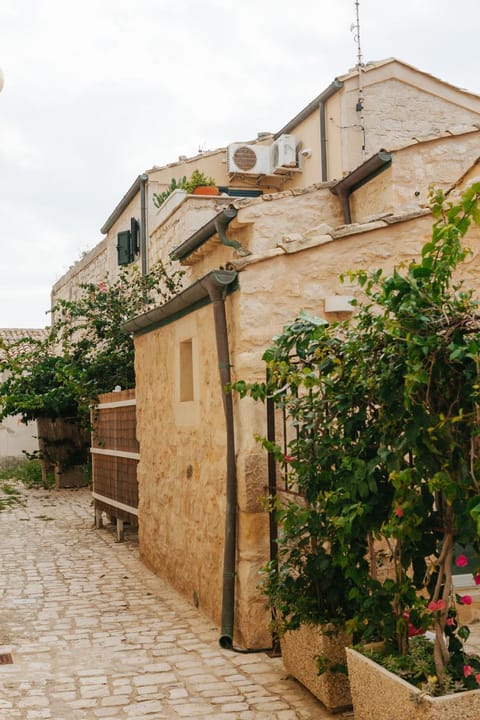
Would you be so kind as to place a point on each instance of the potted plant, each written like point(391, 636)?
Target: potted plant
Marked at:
point(200, 184)
point(159, 198)
point(421, 335)
point(197, 184)
point(315, 584)
point(384, 413)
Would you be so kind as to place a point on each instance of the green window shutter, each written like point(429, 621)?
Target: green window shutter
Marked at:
point(124, 248)
point(134, 245)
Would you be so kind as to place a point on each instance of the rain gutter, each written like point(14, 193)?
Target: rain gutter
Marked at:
point(122, 205)
point(188, 300)
point(217, 225)
point(358, 177)
point(143, 223)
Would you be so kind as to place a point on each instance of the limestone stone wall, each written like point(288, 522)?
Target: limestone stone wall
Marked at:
point(401, 104)
point(397, 113)
point(290, 213)
point(301, 281)
point(404, 186)
point(188, 216)
point(440, 162)
point(182, 474)
point(91, 268)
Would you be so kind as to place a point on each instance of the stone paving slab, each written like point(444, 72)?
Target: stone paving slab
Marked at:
point(94, 634)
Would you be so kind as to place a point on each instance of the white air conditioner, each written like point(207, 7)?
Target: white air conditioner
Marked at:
point(249, 159)
point(284, 153)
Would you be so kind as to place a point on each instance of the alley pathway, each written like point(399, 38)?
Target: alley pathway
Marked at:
point(94, 634)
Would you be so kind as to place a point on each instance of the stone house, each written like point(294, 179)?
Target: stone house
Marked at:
point(343, 185)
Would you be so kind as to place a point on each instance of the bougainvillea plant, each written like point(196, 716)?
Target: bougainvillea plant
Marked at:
point(385, 409)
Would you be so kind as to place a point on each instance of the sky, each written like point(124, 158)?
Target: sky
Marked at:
point(97, 91)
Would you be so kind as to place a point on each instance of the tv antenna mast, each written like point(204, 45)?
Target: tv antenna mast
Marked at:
point(355, 28)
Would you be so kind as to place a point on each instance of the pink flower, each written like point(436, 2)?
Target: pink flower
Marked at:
point(436, 605)
point(466, 599)
point(451, 621)
point(289, 458)
point(477, 579)
point(477, 678)
point(461, 561)
point(412, 630)
point(102, 287)
point(467, 670)
point(399, 512)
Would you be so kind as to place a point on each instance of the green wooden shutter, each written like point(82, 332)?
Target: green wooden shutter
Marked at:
point(124, 248)
point(134, 245)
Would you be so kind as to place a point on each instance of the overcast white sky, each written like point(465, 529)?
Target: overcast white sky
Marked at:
point(97, 91)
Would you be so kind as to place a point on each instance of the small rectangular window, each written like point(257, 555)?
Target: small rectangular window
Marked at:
point(186, 371)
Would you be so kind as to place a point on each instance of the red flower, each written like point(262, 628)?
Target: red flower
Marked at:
point(477, 678)
point(451, 621)
point(436, 605)
point(412, 630)
point(466, 599)
point(289, 458)
point(461, 561)
point(399, 512)
point(477, 579)
point(467, 670)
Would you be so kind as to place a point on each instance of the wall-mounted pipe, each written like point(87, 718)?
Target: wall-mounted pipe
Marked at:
point(216, 284)
point(143, 223)
point(320, 104)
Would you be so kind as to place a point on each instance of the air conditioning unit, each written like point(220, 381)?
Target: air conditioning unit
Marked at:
point(284, 153)
point(249, 159)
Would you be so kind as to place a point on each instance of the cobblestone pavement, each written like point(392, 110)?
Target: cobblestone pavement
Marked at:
point(94, 634)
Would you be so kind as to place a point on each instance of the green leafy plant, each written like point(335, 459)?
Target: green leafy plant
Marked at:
point(196, 179)
point(385, 410)
point(86, 351)
point(159, 198)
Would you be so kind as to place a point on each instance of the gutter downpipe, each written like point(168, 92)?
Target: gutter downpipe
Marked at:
point(143, 223)
point(217, 292)
point(326, 95)
point(317, 103)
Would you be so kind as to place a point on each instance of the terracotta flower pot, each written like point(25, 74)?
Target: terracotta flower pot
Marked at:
point(206, 190)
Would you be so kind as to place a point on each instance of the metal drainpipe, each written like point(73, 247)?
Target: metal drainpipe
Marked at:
point(217, 295)
point(323, 141)
point(143, 223)
point(335, 86)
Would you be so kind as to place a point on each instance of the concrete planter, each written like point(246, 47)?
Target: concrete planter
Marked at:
point(300, 650)
point(378, 694)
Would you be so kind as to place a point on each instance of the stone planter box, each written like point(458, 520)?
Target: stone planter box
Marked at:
point(378, 694)
point(300, 650)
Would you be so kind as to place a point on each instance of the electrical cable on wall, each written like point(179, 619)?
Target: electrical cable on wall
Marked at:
point(355, 28)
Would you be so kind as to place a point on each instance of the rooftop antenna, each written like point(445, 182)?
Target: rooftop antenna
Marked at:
point(355, 28)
